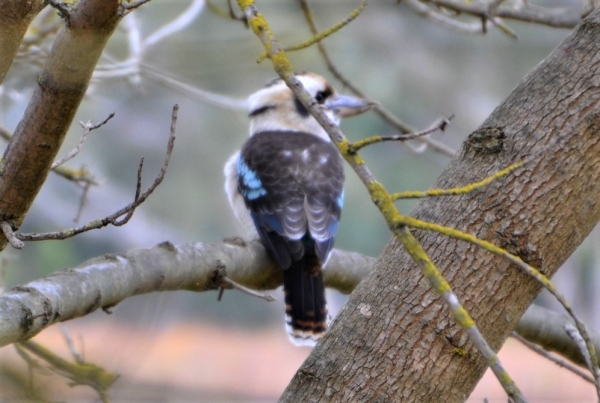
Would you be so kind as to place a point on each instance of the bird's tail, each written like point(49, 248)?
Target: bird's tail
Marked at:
point(305, 305)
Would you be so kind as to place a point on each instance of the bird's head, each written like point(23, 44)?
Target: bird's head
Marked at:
point(275, 107)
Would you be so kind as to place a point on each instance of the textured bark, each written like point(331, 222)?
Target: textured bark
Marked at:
point(394, 340)
point(61, 87)
point(105, 281)
point(15, 16)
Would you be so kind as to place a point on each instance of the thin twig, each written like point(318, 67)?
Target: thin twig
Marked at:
point(11, 236)
point(318, 37)
point(229, 13)
point(74, 353)
point(441, 19)
point(133, 4)
point(177, 25)
point(82, 200)
point(575, 335)
point(87, 128)
point(222, 281)
point(440, 124)
point(416, 194)
point(558, 361)
point(79, 373)
point(138, 189)
point(126, 211)
point(80, 176)
point(552, 19)
point(239, 287)
point(379, 109)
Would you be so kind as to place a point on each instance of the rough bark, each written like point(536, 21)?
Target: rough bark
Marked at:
point(61, 87)
point(105, 281)
point(394, 340)
point(15, 16)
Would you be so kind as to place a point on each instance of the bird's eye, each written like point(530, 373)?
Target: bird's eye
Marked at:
point(321, 96)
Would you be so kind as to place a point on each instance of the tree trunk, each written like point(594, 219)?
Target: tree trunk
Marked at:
point(394, 340)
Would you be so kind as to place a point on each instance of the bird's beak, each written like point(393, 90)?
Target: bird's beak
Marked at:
point(345, 106)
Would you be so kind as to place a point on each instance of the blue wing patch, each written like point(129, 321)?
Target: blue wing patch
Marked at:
point(252, 187)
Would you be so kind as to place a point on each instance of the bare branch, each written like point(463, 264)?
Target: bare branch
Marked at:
point(576, 337)
point(207, 96)
point(79, 176)
point(440, 124)
point(87, 128)
point(547, 329)
point(557, 19)
point(380, 110)
point(126, 211)
point(437, 17)
point(74, 353)
point(81, 373)
point(11, 236)
point(192, 267)
point(136, 198)
point(246, 290)
point(183, 20)
point(229, 13)
point(133, 4)
point(558, 361)
point(318, 37)
point(71, 293)
point(220, 274)
point(82, 200)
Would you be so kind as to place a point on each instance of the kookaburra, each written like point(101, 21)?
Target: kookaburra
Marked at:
point(286, 187)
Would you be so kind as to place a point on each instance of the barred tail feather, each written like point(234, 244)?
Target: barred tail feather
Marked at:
point(305, 305)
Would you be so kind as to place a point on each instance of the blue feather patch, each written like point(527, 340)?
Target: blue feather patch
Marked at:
point(252, 187)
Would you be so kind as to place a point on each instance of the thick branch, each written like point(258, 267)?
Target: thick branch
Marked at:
point(60, 89)
point(105, 281)
point(28, 309)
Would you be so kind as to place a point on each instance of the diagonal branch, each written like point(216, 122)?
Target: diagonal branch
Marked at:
point(479, 150)
point(319, 36)
point(61, 87)
point(382, 200)
point(380, 110)
point(127, 211)
point(87, 128)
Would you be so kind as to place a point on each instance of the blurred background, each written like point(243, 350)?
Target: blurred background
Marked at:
point(184, 346)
